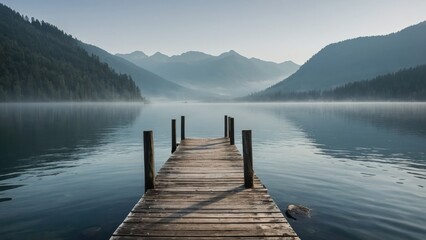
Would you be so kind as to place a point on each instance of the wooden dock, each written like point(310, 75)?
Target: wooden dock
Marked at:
point(201, 193)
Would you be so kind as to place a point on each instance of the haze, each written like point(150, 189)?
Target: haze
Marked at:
point(275, 30)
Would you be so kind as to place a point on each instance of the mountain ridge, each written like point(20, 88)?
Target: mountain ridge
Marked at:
point(151, 84)
point(229, 73)
point(357, 59)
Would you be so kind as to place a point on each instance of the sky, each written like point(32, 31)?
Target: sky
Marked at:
point(270, 30)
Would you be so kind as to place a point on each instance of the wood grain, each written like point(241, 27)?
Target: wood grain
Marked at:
point(200, 194)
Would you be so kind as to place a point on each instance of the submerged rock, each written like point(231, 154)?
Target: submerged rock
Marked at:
point(297, 211)
point(91, 233)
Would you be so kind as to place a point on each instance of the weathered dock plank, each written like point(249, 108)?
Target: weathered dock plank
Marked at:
point(200, 194)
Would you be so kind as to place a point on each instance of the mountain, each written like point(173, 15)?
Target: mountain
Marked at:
point(136, 55)
point(39, 62)
point(357, 59)
point(404, 85)
point(228, 74)
point(190, 57)
point(151, 85)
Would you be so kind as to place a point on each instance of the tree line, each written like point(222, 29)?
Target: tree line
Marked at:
point(404, 85)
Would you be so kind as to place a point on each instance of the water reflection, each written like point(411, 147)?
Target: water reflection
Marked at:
point(75, 171)
point(381, 133)
point(52, 136)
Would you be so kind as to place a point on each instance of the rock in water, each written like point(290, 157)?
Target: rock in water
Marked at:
point(91, 233)
point(297, 211)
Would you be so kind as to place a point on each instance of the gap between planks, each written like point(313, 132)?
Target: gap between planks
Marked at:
point(200, 194)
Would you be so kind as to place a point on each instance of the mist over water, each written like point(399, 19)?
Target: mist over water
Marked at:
point(74, 171)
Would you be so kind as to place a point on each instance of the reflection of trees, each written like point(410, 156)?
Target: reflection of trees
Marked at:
point(401, 117)
point(391, 133)
point(55, 130)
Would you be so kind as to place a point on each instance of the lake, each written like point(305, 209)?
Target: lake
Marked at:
point(74, 171)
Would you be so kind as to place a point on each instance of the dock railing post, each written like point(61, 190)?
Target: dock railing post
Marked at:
point(248, 159)
point(227, 122)
point(148, 149)
point(182, 127)
point(231, 131)
point(173, 135)
point(226, 126)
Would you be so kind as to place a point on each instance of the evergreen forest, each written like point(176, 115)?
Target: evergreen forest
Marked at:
point(39, 62)
point(404, 85)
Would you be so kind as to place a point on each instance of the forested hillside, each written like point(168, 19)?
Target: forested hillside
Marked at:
point(357, 60)
point(405, 85)
point(39, 62)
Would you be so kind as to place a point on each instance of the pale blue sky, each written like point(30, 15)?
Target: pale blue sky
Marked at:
point(270, 30)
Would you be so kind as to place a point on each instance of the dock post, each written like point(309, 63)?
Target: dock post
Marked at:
point(148, 147)
point(226, 126)
point(182, 127)
point(248, 159)
point(173, 135)
point(231, 131)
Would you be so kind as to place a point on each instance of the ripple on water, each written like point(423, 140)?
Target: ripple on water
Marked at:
point(368, 174)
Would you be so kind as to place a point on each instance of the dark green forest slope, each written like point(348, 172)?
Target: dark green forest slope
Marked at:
point(39, 62)
point(404, 85)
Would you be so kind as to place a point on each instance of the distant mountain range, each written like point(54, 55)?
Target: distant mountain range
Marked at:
point(56, 66)
point(39, 62)
point(228, 74)
point(151, 85)
point(356, 60)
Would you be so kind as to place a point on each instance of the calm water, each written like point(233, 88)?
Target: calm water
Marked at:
point(74, 171)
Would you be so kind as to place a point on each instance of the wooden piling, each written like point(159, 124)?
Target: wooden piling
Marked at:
point(199, 194)
point(231, 131)
point(182, 127)
point(226, 126)
point(148, 146)
point(173, 135)
point(227, 121)
point(248, 159)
